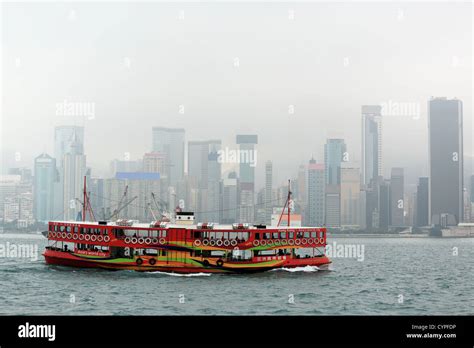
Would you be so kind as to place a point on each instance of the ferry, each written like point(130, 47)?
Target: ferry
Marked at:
point(183, 246)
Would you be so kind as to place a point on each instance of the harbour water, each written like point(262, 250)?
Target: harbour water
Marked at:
point(405, 276)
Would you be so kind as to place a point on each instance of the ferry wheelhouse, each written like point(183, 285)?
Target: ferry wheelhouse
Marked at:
point(184, 247)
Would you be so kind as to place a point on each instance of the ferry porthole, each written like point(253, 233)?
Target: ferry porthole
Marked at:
point(81, 237)
point(219, 263)
point(226, 242)
point(219, 243)
point(255, 243)
point(162, 241)
point(263, 242)
point(106, 239)
point(148, 240)
point(139, 261)
point(205, 242)
point(197, 242)
point(87, 237)
point(212, 243)
point(127, 240)
point(297, 242)
point(134, 240)
point(152, 261)
point(304, 241)
point(141, 240)
point(100, 238)
point(291, 242)
point(93, 238)
point(233, 243)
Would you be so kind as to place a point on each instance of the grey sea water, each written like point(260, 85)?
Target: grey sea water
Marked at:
point(406, 276)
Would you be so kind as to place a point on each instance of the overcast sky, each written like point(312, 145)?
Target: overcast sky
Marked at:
point(234, 68)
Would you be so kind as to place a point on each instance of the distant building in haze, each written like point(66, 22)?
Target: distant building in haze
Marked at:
point(422, 202)
point(371, 143)
point(316, 194)
point(170, 141)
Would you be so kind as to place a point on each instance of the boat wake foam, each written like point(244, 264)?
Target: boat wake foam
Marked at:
point(298, 269)
point(181, 274)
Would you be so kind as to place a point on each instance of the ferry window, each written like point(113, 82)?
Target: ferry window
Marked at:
point(245, 235)
point(56, 228)
point(283, 235)
point(61, 228)
point(268, 235)
point(163, 252)
point(197, 234)
point(76, 229)
point(306, 234)
point(232, 235)
point(213, 235)
point(291, 235)
point(314, 235)
point(275, 235)
point(68, 229)
point(322, 234)
point(219, 235)
point(257, 236)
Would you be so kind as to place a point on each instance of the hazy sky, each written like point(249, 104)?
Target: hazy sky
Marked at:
point(236, 68)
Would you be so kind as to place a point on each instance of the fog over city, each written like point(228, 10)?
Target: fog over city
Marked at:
point(295, 74)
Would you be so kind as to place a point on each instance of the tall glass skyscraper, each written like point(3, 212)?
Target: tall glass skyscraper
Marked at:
point(170, 141)
point(46, 175)
point(371, 143)
point(446, 161)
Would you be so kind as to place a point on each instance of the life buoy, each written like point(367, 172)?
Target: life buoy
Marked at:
point(69, 236)
point(81, 237)
point(93, 238)
point(197, 242)
point(148, 240)
point(297, 241)
point(100, 238)
point(205, 242)
point(311, 241)
point(263, 242)
point(277, 242)
point(321, 240)
point(155, 240)
point(87, 237)
point(127, 240)
point(106, 239)
point(304, 241)
point(212, 242)
point(141, 240)
point(134, 240)
point(219, 243)
point(162, 240)
point(255, 243)
point(75, 236)
point(291, 242)
point(226, 242)
point(220, 263)
point(52, 234)
point(63, 235)
point(233, 242)
point(152, 261)
point(139, 261)
point(284, 242)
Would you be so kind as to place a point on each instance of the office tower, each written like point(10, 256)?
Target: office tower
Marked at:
point(198, 159)
point(247, 163)
point(74, 170)
point(128, 166)
point(268, 193)
point(155, 162)
point(371, 143)
point(334, 151)
point(422, 202)
point(350, 197)
point(333, 206)
point(384, 204)
point(214, 186)
point(170, 141)
point(397, 193)
point(316, 193)
point(67, 139)
point(230, 199)
point(446, 161)
point(46, 175)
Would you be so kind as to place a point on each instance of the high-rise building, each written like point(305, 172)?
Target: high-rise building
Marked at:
point(371, 143)
point(268, 195)
point(397, 193)
point(446, 161)
point(422, 202)
point(46, 175)
point(333, 206)
point(67, 139)
point(214, 186)
point(247, 163)
point(334, 151)
point(155, 162)
point(230, 199)
point(316, 194)
point(472, 188)
point(128, 166)
point(170, 141)
point(350, 197)
point(198, 159)
point(74, 170)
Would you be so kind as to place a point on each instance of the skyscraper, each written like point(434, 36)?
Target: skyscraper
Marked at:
point(198, 159)
point(422, 202)
point(230, 198)
point(371, 143)
point(67, 139)
point(316, 194)
point(46, 175)
point(74, 170)
point(397, 192)
point(247, 163)
point(170, 141)
point(334, 151)
point(268, 192)
point(446, 161)
point(350, 197)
